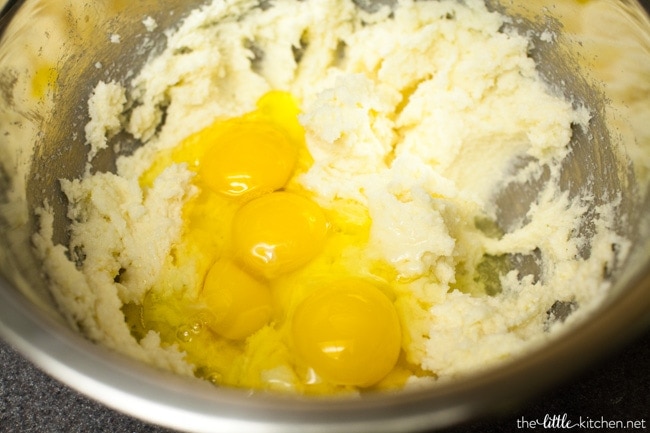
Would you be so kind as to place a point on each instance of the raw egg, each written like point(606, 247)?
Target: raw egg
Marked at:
point(237, 293)
point(278, 233)
point(255, 153)
point(248, 156)
point(348, 332)
point(251, 154)
point(237, 303)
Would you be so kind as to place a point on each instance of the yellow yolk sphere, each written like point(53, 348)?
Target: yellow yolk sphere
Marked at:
point(247, 157)
point(238, 304)
point(348, 333)
point(254, 153)
point(278, 233)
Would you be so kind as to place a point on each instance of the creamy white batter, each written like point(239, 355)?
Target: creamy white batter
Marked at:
point(422, 114)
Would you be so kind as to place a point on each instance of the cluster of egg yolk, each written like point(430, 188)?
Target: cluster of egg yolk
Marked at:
point(259, 233)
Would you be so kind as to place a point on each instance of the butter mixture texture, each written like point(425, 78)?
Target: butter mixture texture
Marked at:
point(390, 136)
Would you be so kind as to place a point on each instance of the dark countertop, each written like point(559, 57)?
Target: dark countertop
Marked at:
point(615, 389)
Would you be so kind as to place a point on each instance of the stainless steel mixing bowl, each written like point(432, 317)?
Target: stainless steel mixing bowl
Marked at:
point(49, 53)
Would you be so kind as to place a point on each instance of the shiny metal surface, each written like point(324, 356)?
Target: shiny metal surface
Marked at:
point(37, 137)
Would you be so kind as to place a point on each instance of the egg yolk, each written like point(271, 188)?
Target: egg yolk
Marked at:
point(348, 333)
point(247, 157)
point(278, 232)
point(254, 153)
point(237, 303)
